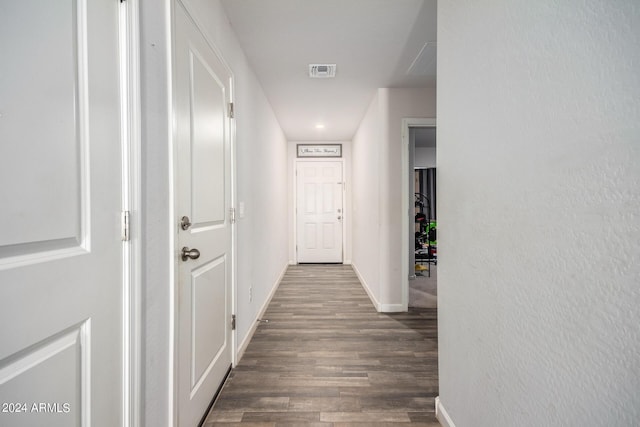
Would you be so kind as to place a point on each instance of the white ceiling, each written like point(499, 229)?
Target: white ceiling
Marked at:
point(375, 43)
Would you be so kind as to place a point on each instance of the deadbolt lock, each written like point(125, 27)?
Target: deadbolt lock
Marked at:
point(185, 223)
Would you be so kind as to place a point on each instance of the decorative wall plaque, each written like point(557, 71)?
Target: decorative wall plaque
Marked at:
point(322, 150)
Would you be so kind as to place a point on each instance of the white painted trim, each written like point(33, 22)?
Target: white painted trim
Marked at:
point(247, 339)
point(172, 380)
point(344, 210)
point(380, 308)
point(85, 373)
point(392, 308)
point(129, 41)
point(442, 415)
point(364, 284)
point(296, 161)
point(83, 125)
point(234, 226)
point(406, 203)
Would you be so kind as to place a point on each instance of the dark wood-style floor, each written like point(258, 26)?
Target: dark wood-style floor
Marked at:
point(327, 358)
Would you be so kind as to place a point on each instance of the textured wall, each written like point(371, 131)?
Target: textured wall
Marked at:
point(156, 251)
point(539, 212)
point(366, 197)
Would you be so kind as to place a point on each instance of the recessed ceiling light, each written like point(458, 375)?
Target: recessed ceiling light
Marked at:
point(319, 126)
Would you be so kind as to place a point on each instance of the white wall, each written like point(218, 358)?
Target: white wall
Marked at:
point(366, 198)
point(261, 185)
point(291, 191)
point(156, 251)
point(539, 212)
point(377, 180)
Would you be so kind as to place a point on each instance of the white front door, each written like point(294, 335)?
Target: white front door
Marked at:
point(61, 285)
point(203, 192)
point(319, 188)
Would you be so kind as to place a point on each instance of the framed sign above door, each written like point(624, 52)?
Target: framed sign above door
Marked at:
point(323, 150)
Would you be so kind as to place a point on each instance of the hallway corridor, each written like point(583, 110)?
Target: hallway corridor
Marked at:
point(327, 358)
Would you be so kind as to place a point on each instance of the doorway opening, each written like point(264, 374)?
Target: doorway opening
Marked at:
point(420, 219)
point(423, 285)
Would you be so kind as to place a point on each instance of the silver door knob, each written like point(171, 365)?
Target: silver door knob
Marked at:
point(185, 223)
point(190, 253)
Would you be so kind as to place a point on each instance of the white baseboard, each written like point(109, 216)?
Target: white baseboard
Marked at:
point(381, 308)
point(442, 415)
point(392, 308)
point(247, 339)
point(372, 297)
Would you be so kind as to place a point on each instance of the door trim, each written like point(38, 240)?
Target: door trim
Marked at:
point(405, 204)
point(173, 385)
point(296, 162)
point(131, 142)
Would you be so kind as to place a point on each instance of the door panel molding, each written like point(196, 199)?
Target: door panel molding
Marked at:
point(53, 230)
point(200, 308)
point(67, 355)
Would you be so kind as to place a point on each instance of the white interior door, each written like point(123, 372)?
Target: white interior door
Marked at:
point(204, 196)
point(61, 287)
point(319, 211)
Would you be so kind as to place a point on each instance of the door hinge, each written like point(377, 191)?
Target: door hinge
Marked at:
point(126, 231)
point(233, 322)
point(231, 112)
point(232, 215)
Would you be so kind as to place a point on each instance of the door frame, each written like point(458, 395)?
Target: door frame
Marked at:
point(174, 280)
point(296, 162)
point(406, 203)
point(131, 203)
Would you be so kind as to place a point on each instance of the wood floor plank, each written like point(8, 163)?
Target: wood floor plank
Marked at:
point(365, 417)
point(327, 358)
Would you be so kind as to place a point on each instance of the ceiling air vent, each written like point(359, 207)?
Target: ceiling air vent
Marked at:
point(322, 71)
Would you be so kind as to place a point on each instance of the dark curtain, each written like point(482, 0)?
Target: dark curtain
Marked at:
point(428, 188)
